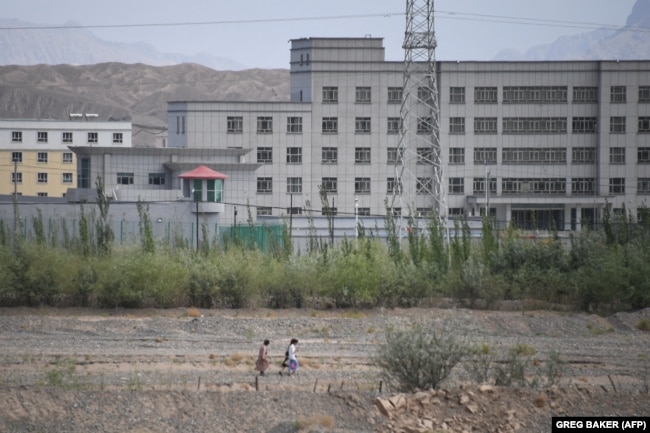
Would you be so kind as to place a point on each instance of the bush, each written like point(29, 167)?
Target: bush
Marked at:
point(479, 364)
point(420, 356)
point(515, 369)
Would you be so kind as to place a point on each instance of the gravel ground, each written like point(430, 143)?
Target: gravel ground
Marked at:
point(77, 370)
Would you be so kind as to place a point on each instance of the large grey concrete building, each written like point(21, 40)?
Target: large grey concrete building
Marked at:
point(542, 144)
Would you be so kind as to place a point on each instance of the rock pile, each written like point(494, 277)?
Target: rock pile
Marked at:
point(469, 408)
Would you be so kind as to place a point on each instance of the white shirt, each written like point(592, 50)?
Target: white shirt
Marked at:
point(292, 352)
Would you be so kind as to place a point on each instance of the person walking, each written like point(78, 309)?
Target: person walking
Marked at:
point(293, 360)
point(262, 363)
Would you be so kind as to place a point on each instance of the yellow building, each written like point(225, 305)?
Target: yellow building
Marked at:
point(35, 159)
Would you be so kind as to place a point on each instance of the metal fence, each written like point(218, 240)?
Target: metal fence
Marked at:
point(60, 231)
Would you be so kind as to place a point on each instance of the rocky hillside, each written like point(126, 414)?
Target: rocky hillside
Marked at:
point(128, 91)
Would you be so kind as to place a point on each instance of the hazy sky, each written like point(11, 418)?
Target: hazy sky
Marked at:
point(255, 32)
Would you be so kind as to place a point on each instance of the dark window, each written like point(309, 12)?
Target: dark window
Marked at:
point(264, 125)
point(330, 155)
point(457, 95)
point(456, 185)
point(264, 185)
point(234, 125)
point(582, 95)
point(485, 95)
point(156, 178)
point(294, 185)
point(393, 125)
point(363, 95)
point(617, 125)
point(395, 95)
point(264, 155)
point(125, 178)
point(618, 94)
point(362, 125)
point(329, 185)
point(330, 95)
point(294, 125)
point(362, 155)
point(617, 185)
point(294, 155)
point(362, 185)
point(330, 125)
point(425, 125)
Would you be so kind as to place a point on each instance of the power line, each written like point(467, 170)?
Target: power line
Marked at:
point(210, 23)
point(536, 21)
point(503, 19)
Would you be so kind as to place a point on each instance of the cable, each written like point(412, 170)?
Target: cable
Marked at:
point(203, 23)
point(539, 22)
point(449, 15)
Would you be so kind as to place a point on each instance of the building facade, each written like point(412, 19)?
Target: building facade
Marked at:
point(542, 144)
point(36, 155)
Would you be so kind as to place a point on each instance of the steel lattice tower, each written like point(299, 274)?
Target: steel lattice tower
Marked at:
point(418, 167)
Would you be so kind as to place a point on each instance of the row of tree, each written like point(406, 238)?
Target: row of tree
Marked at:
point(592, 270)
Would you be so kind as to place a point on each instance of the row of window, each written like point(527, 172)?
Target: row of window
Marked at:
point(38, 194)
point(66, 137)
point(17, 177)
point(545, 125)
point(330, 125)
point(482, 155)
point(42, 157)
point(545, 94)
point(456, 185)
point(153, 178)
point(457, 125)
point(489, 95)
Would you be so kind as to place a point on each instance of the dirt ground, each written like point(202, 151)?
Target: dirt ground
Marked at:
point(178, 370)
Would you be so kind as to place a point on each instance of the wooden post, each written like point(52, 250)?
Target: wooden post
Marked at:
point(612, 382)
point(381, 384)
point(315, 385)
point(342, 383)
point(198, 385)
point(257, 385)
point(329, 387)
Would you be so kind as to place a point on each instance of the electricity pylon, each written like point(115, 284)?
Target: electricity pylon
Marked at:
point(418, 165)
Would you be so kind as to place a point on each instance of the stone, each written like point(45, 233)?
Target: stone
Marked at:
point(398, 401)
point(384, 406)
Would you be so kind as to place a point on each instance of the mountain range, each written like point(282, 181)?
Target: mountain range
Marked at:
point(53, 73)
point(630, 42)
point(73, 45)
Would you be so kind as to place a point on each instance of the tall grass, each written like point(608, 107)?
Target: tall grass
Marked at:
point(596, 271)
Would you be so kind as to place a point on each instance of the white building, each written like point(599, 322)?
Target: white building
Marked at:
point(35, 154)
point(557, 140)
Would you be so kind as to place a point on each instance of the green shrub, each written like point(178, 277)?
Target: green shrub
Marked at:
point(135, 279)
point(420, 356)
point(479, 363)
point(514, 370)
point(203, 283)
point(643, 325)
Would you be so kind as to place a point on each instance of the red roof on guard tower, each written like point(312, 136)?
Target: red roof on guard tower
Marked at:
point(202, 172)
